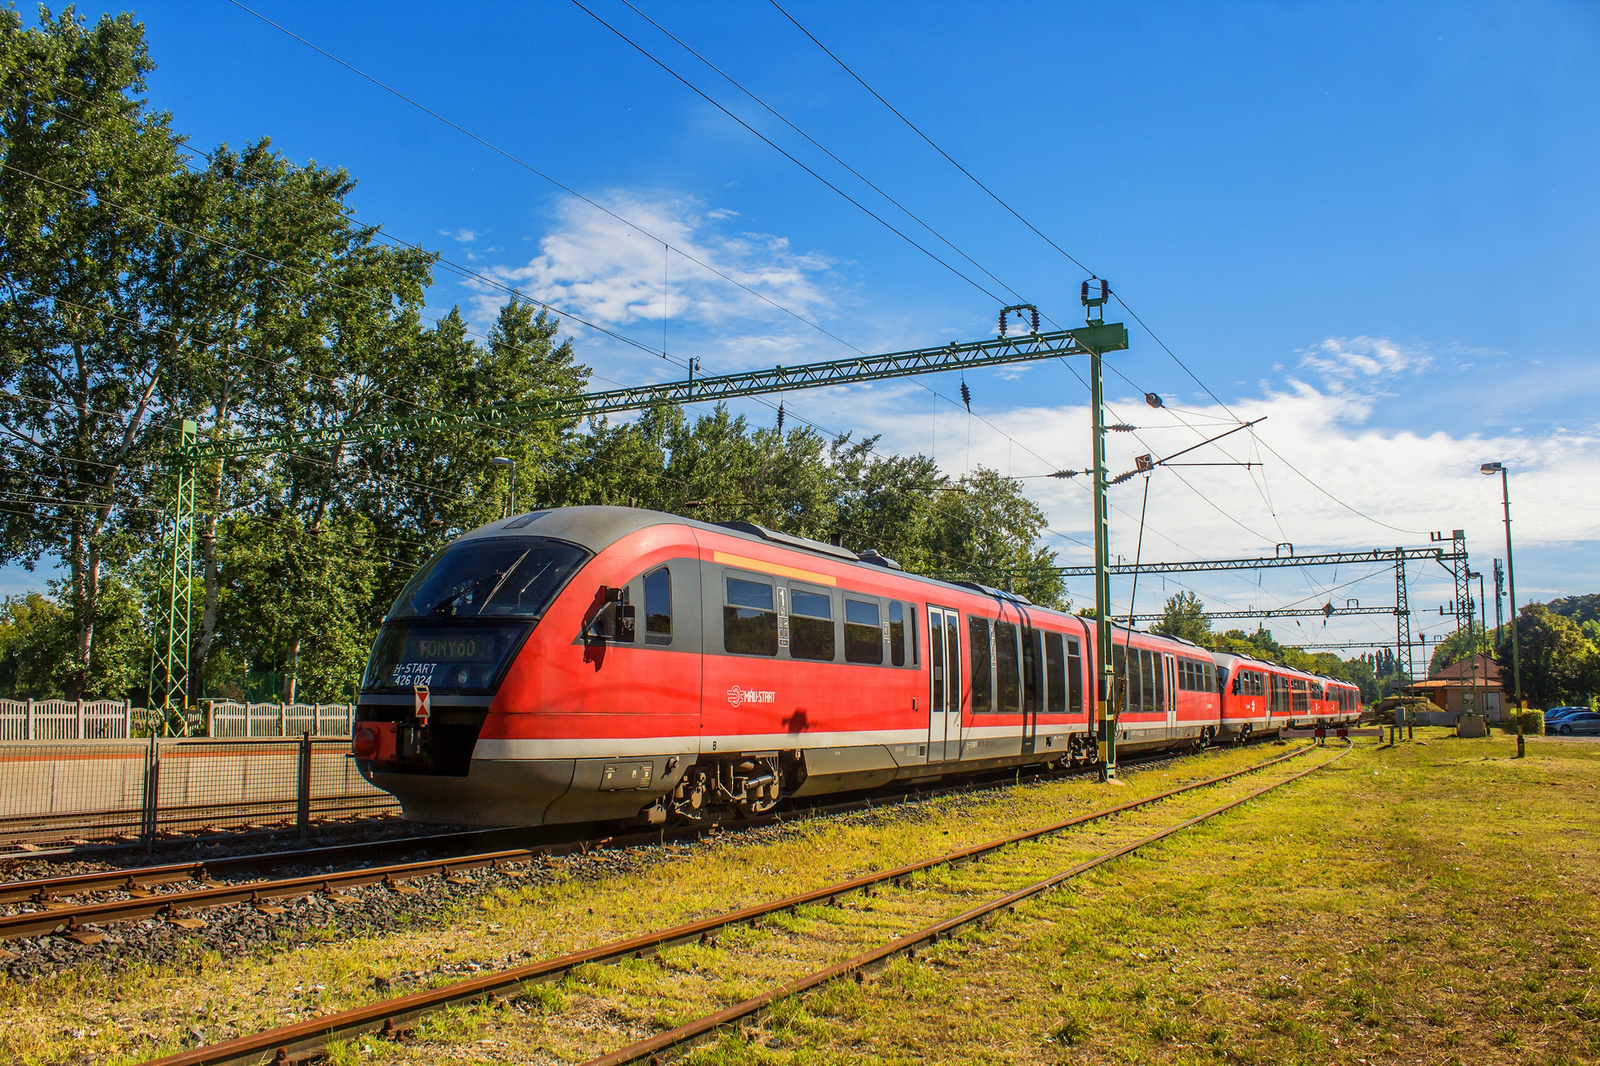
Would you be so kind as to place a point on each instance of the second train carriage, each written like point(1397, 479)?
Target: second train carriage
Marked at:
point(595, 663)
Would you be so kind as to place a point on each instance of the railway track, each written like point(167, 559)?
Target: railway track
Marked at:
point(390, 1017)
point(137, 888)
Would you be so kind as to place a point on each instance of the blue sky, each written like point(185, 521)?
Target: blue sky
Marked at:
point(1373, 223)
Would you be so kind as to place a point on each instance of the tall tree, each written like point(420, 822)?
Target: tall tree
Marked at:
point(1184, 616)
point(84, 330)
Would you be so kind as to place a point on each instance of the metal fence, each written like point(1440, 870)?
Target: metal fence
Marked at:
point(119, 719)
point(139, 789)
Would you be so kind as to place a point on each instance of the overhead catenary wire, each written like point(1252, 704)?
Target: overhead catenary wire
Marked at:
point(1076, 262)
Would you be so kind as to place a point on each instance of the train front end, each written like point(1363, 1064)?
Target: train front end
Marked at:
point(438, 665)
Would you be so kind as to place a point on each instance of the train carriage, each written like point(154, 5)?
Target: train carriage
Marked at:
point(597, 663)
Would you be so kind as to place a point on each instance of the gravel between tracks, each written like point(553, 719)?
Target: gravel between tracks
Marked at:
point(240, 928)
point(368, 910)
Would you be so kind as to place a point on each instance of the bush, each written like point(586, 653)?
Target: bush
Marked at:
point(1528, 723)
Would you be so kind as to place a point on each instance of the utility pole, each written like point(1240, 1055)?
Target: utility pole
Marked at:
point(1499, 598)
point(1105, 688)
point(1511, 577)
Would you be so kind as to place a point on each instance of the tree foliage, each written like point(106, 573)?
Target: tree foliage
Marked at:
point(1184, 617)
point(1559, 661)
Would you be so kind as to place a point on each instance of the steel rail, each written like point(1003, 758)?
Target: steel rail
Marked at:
point(45, 889)
point(690, 1032)
point(386, 1016)
point(48, 890)
point(70, 918)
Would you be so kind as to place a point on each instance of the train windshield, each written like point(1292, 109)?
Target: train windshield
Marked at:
point(491, 578)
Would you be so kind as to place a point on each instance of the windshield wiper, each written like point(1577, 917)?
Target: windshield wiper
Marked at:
point(503, 578)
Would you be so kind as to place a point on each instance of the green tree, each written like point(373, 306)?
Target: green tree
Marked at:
point(988, 528)
point(297, 600)
point(85, 331)
point(1558, 663)
point(1185, 617)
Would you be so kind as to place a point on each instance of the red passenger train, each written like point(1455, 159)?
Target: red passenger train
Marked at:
point(597, 663)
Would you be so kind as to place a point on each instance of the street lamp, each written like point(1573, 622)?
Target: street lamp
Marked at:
point(501, 460)
point(1511, 576)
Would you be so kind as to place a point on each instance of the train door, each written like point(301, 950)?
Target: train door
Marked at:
point(944, 672)
point(1171, 677)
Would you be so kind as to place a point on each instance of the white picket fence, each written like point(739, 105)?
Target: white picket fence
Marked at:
point(225, 718)
point(68, 719)
point(119, 719)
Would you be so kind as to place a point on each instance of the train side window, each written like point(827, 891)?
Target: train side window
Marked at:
point(863, 632)
point(1055, 672)
point(912, 633)
point(810, 625)
point(897, 633)
point(749, 624)
point(1074, 678)
point(978, 645)
point(1005, 655)
point(658, 606)
point(952, 640)
point(1185, 675)
point(1155, 695)
point(1032, 691)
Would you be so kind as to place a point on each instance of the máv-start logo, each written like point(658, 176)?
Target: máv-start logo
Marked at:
point(738, 696)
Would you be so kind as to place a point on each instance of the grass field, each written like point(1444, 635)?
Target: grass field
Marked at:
point(1430, 903)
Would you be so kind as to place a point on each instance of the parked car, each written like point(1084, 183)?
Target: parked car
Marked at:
point(1563, 712)
point(1585, 723)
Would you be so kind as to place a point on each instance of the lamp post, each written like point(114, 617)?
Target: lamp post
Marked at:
point(1511, 577)
point(501, 460)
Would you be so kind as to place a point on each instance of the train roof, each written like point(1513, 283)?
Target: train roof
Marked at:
point(598, 527)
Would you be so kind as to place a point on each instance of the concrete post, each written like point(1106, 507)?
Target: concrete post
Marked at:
point(27, 721)
point(78, 718)
point(127, 717)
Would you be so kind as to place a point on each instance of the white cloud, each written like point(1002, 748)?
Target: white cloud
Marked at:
point(618, 275)
point(1404, 482)
point(1344, 361)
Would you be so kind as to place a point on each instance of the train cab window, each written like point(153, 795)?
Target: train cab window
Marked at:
point(978, 643)
point(1006, 679)
point(863, 632)
point(1055, 674)
point(1032, 690)
point(749, 624)
point(810, 625)
point(897, 633)
point(658, 606)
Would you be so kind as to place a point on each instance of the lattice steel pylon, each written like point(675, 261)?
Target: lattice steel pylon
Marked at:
point(169, 674)
point(1402, 619)
point(1465, 613)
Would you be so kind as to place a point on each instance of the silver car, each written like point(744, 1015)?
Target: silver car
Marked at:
point(1584, 723)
